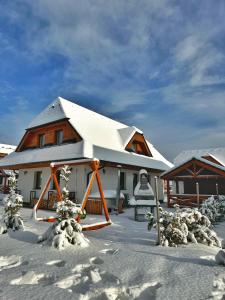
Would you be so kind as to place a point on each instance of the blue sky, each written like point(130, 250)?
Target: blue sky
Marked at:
point(158, 65)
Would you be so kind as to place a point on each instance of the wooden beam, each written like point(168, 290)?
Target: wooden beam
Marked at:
point(171, 175)
point(102, 196)
point(168, 192)
point(86, 195)
point(189, 177)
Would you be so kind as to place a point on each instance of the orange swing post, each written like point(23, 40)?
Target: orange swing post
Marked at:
point(87, 193)
point(53, 177)
point(94, 164)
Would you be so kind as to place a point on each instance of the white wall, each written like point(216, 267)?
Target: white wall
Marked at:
point(78, 181)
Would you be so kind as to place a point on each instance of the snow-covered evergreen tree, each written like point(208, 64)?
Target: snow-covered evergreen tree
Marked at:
point(218, 292)
point(13, 202)
point(186, 225)
point(66, 230)
point(214, 208)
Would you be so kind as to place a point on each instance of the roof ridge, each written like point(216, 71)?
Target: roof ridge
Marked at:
point(91, 111)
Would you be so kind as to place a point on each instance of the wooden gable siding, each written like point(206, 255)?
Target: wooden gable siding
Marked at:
point(31, 137)
point(212, 159)
point(195, 168)
point(139, 144)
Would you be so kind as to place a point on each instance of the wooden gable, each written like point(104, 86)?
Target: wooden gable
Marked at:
point(194, 168)
point(31, 138)
point(138, 145)
point(212, 159)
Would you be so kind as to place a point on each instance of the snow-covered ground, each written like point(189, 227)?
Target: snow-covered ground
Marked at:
point(121, 263)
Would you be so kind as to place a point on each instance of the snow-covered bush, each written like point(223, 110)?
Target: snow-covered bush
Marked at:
point(213, 208)
point(185, 225)
point(13, 202)
point(218, 288)
point(149, 216)
point(66, 230)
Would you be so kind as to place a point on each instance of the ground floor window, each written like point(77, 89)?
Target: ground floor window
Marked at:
point(122, 180)
point(37, 180)
point(135, 180)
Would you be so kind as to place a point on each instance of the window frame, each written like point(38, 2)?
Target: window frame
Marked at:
point(41, 140)
point(123, 181)
point(57, 137)
point(37, 180)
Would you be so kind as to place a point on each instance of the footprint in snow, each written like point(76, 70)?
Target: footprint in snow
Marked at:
point(80, 267)
point(57, 263)
point(8, 262)
point(138, 292)
point(69, 281)
point(109, 251)
point(28, 278)
point(96, 260)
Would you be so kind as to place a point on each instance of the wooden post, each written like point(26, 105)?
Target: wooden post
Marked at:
point(168, 192)
point(54, 170)
point(118, 188)
point(197, 192)
point(217, 190)
point(5, 185)
point(157, 209)
point(102, 197)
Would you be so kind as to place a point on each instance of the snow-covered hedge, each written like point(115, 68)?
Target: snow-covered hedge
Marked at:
point(66, 230)
point(213, 208)
point(183, 226)
point(13, 202)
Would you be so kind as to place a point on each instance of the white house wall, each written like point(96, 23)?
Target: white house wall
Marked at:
point(78, 181)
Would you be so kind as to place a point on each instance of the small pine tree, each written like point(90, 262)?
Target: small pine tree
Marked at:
point(12, 205)
point(66, 230)
point(183, 226)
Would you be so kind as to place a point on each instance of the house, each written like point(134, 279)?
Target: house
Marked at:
point(66, 131)
point(197, 175)
point(4, 174)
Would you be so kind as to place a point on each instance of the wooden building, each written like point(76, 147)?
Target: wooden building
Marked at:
point(66, 131)
point(196, 178)
point(4, 174)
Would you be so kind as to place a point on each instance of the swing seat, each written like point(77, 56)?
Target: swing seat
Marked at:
point(96, 226)
point(94, 164)
point(89, 227)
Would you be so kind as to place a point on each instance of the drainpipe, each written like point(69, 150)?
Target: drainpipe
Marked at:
point(118, 188)
point(157, 210)
point(197, 192)
point(217, 190)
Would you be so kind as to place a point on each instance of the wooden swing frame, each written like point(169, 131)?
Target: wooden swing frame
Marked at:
point(94, 164)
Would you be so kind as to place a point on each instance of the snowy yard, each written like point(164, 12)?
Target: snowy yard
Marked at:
point(122, 262)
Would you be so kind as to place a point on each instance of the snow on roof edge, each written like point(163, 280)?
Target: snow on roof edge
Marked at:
point(194, 157)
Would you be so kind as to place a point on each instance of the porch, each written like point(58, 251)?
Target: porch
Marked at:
point(194, 181)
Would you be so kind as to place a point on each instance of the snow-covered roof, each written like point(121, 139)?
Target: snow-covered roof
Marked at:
point(103, 138)
point(216, 153)
point(6, 149)
point(80, 150)
point(206, 161)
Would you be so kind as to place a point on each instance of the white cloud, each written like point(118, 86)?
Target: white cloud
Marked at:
point(138, 57)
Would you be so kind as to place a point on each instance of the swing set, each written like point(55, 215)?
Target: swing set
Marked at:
point(94, 164)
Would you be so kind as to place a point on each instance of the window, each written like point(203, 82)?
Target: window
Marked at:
point(1, 179)
point(37, 180)
point(58, 179)
point(122, 181)
point(135, 181)
point(59, 137)
point(41, 140)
